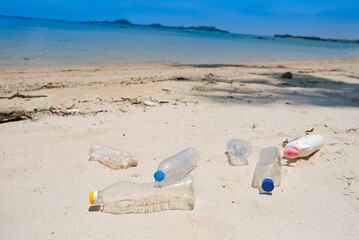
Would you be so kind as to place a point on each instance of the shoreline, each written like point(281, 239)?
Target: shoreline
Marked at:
point(156, 63)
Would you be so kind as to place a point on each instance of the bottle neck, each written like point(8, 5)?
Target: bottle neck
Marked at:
point(96, 197)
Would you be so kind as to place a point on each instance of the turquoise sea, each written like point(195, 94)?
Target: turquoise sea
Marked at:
point(34, 42)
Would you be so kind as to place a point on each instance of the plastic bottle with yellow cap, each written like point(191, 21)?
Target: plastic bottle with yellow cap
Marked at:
point(128, 197)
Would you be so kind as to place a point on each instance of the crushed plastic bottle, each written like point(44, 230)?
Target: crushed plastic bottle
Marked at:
point(112, 158)
point(304, 146)
point(177, 166)
point(238, 151)
point(128, 197)
point(268, 171)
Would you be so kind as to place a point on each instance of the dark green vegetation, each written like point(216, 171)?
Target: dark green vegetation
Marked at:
point(125, 22)
point(318, 39)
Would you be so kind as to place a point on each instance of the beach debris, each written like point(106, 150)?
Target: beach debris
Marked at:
point(210, 76)
point(64, 112)
point(176, 167)
point(211, 82)
point(149, 103)
point(131, 100)
point(352, 130)
point(287, 75)
point(111, 157)
point(52, 85)
point(72, 110)
point(308, 131)
point(268, 171)
point(140, 198)
point(238, 151)
point(303, 146)
point(18, 113)
point(166, 90)
point(180, 78)
point(285, 142)
point(19, 95)
point(72, 106)
point(13, 113)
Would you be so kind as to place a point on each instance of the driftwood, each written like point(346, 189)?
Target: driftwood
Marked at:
point(13, 113)
point(18, 113)
point(19, 95)
point(66, 112)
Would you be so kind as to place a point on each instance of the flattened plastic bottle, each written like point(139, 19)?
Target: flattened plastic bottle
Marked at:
point(268, 171)
point(128, 197)
point(177, 166)
point(238, 151)
point(112, 158)
point(304, 146)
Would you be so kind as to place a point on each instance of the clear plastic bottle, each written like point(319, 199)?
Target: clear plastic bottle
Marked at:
point(238, 151)
point(175, 167)
point(268, 171)
point(128, 197)
point(112, 158)
point(304, 146)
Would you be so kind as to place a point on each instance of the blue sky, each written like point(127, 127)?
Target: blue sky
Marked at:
point(323, 18)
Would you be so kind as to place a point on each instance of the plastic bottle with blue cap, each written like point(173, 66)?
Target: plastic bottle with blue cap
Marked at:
point(268, 171)
point(176, 167)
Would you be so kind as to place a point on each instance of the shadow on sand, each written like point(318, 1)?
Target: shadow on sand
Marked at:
point(302, 89)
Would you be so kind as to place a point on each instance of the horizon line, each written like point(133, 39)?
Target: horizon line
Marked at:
point(89, 21)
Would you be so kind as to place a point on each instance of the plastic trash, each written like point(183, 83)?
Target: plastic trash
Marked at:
point(112, 158)
point(128, 197)
point(304, 146)
point(176, 166)
point(268, 171)
point(149, 103)
point(238, 151)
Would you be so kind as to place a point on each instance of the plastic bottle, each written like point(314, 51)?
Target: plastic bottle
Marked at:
point(268, 171)
point(112, 158)
point(238, 151)
point(304, 146)
point(176, 166)
point(128, 197)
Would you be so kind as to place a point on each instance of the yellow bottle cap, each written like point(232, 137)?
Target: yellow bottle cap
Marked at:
point(94, 197)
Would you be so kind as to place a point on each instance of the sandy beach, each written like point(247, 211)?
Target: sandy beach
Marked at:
point(46, 176)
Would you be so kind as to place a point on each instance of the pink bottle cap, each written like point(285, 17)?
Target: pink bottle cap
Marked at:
point(291, 152)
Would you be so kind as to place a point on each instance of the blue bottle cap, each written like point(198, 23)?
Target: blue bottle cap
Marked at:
point(268, 185)
point(159, 176)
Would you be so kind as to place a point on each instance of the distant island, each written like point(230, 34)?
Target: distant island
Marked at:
point(318, 39)
point(157, 25)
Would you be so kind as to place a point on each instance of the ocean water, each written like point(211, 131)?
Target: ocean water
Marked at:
point(34, 42)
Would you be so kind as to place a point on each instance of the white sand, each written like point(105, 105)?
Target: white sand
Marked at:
point(46, 178)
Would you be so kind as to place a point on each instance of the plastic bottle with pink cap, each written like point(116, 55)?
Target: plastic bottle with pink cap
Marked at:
point(303, 146)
